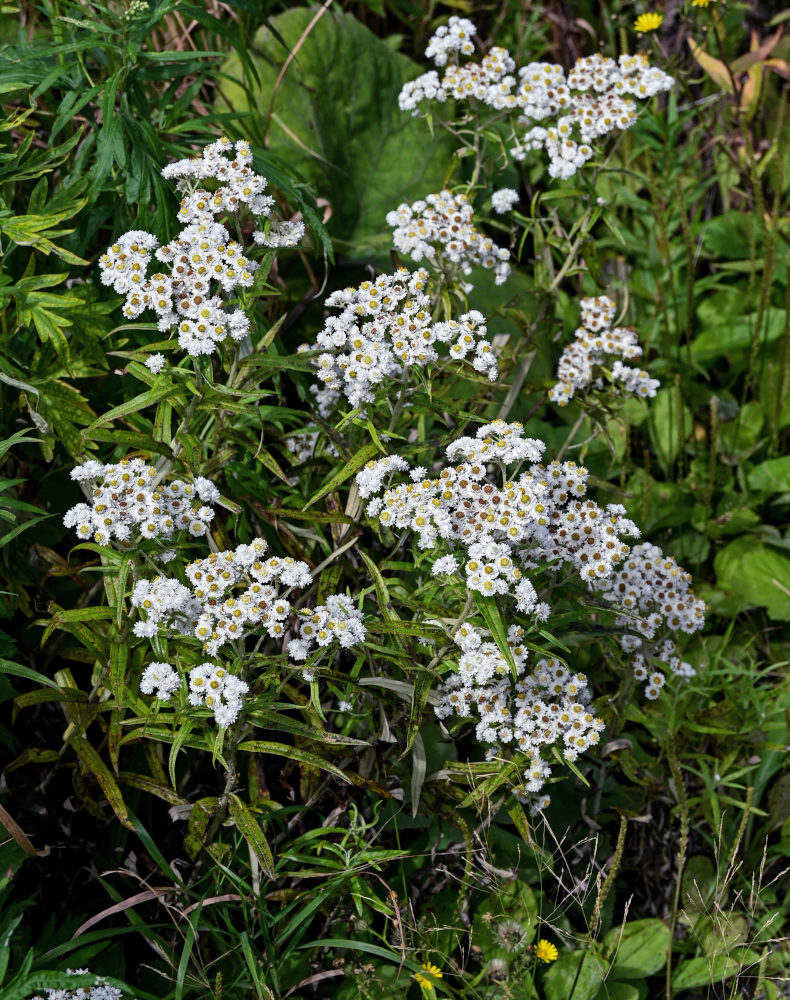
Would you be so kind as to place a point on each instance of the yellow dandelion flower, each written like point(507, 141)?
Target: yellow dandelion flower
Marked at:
point(648, 22)
point(701, 3)
point(545, 951)
point(433, 970)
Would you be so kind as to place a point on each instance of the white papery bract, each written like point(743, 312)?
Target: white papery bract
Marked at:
point(657, 598)
point(336, 621)
point(535, 517)
point(206, 264)
point(219, 690)
point(575, 109)
point(233, 594)
point(440, 229)
point(580, 368)
point(519, 710)
point(160, 680)
point(385, 326)
point(82, 992)
point(124, 497)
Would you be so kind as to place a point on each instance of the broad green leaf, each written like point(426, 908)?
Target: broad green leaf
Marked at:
point(575, 975)
point(639, 949)
point(749, 574)
point(736, 333)
point(772, 476)
point(703, 971)
point(665, 425)
point(336, 120)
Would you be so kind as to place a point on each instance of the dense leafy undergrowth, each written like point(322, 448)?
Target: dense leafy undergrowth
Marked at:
point(394, 500)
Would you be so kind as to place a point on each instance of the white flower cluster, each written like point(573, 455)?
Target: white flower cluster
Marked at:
point(82, 992)
point(164, 602)
point(440, 229)
point(218, 615)
point(124, 497)
point(527, 712)
point(336, 621)
point(161, 680)
point(503, 200)
point(593, 99)
point(535, 517)
point(657, 600)
point(455, 36)
point(280, 234)
point(203, 253)
point(385, 326)
point(219, 690)
point(595, 339)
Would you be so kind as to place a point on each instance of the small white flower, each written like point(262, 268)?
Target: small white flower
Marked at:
point(503, 200)
point(155, 363)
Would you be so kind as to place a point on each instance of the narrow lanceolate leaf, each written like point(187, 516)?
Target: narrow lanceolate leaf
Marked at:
point(354, 464)
point(313, 760)
point(154, 394)
point(65, 617)
point(17, 670)
point(93, 762)
point(249, 828)
point(382, 594)
point(488, 608)
point(418, 767)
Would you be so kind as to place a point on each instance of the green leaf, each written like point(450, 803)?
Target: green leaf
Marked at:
point(248, 827)
point(575, 975)
point(93, 762)
point(736, 333)
point(703, 971)
point(664, 423)
point(772, 476)
point(17, 670)
point(157, 392)
point(639, 949)
point(749, 574)
point(313, 760)
point(336, 120)
point(418, 767)
point(354, 464)
point(488, 608)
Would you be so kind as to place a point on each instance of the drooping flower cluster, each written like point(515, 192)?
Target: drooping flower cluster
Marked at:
point(124, 497)
point(581, 365)
point(440, 228)
point(219, 690)
point(526, 712)
point(593, 99)
point(206, 264)
point(385, 326)
point(534, 517)
point(336, 621)
point(657, 600)
point(82, 992)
